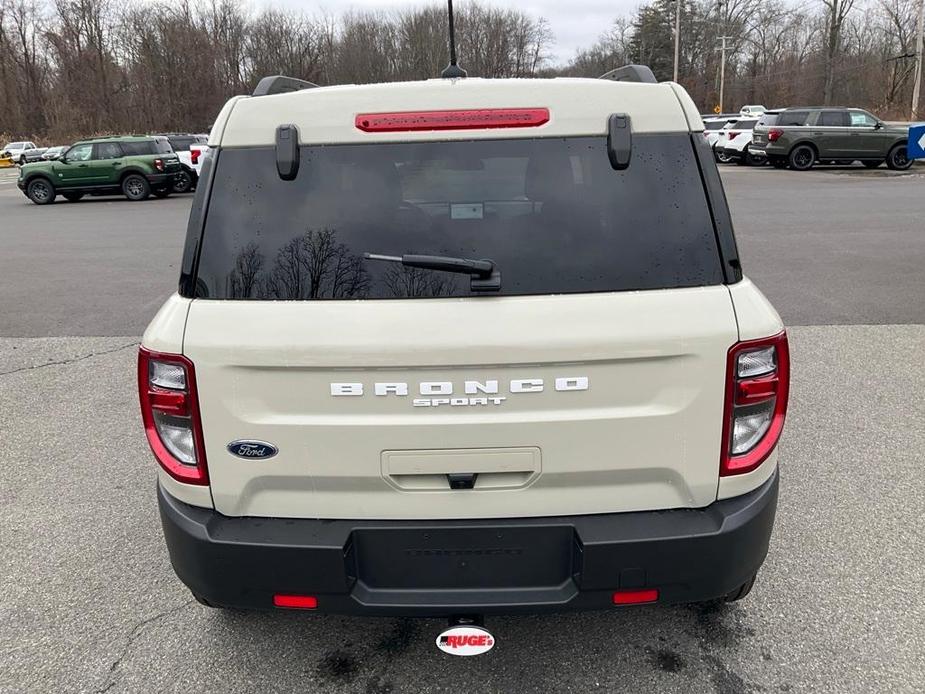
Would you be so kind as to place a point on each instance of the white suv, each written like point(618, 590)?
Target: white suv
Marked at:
point(464, 346)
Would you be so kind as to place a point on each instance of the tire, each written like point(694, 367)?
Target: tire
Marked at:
point(722, 158)
point(801, 158)
point(162, 193)
point(135, 187)
point(898, 159)
point(183, 183)
point(72, 197)
point(871, 164)
point(22, 159)
point(41, 191)
point(741, 591)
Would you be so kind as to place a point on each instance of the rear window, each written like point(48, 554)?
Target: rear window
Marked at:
point(715, 124)
point(551, 213)
point(793, 118)
point(183, 143)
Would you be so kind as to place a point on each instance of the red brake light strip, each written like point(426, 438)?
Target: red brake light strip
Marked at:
point(467, 119)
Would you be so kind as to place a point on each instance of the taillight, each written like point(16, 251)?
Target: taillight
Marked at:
point(159, 164)
point(194, 155)
point(757, 389)
point(774, 134)
point(732, 134)
point(468, 119)
point(170, 412)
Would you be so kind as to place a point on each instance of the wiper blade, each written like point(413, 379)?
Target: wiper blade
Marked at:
point(485, 274)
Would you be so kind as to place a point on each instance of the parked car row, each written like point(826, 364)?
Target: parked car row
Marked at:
point(800, 138)
point(135, 166)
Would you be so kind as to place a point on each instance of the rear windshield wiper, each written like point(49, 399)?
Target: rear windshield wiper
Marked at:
point(485, 274)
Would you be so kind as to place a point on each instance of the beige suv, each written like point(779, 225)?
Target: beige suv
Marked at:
point(464, 346)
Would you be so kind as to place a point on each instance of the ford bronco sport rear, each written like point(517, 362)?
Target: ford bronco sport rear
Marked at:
point(464, 346)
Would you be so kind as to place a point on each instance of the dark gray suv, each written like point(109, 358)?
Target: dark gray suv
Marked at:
point(802, 137)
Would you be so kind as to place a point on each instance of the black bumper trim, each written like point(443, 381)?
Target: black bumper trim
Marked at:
point(495, 566)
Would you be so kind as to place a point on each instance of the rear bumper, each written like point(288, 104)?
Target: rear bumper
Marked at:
point(499, 566)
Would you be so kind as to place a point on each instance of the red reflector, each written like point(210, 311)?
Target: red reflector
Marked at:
point(635, 597)
point(774, 134)
point(471, 119)
point(299, 602)
point(169, 401)
point(754, 390)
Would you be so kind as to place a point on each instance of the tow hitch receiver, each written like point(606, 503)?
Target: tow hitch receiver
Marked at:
point(465, 635)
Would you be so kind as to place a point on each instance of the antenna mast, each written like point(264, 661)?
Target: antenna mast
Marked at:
point(452, 70)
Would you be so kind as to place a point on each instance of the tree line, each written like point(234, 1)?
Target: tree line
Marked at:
point(74, 68)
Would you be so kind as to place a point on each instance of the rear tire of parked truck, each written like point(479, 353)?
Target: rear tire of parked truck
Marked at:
point(898, 159)
point(72, 197)
point(802, 158)
point(135, 187)
point(40, 191)
point(183, 182)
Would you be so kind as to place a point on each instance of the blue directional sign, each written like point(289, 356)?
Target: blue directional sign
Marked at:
point(916, 146)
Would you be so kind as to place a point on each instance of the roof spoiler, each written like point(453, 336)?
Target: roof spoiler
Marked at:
point(280, 84)
point(631, 73)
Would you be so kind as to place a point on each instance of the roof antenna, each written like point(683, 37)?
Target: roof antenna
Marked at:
point(452, 70)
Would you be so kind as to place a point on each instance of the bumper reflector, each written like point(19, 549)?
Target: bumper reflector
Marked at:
point(635, 597)
point(296, 602)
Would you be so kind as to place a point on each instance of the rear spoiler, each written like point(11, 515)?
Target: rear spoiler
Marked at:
point(631, 73)
point(280, 84)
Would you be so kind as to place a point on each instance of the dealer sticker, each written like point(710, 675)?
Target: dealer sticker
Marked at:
point(465, 640)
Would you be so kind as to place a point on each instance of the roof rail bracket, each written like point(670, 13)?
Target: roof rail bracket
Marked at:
point(287, 151)
point(619, 140)
point(631, 73)
point(280, 84)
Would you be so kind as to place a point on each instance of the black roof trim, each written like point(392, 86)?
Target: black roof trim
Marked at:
point(631, 73)
point(281, 84)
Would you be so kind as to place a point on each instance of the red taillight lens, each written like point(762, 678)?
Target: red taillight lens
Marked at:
point(194, 154)
point(732, 134)
point(297, 602)
point(159, 164)
point(470, 119)
point(774, 134)
point(757, 390)
point(170, 412)
point(635, 597)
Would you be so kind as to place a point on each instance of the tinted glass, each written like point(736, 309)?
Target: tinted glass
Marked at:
point(138, 147)
point(768, 119)
point(551, 213)
point(833, 119)
point(793, 118)
point(181, 144)
point(745, 124)
point(162, 146)
point(108, 150)
point(714, 124)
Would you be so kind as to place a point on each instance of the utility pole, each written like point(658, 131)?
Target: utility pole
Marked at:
point(677, 36)
point(917, 84)
point(722, 68)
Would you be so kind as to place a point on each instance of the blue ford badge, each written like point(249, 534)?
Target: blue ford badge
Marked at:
point(252, 449)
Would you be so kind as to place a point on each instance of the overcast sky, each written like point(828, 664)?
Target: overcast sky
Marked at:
point(575, 23)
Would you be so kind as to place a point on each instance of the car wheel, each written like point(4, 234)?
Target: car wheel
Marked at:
point(72, 197)
point(723, 158)
point(135, 187)
point(741, 591)
point(162, 192)
point(40, 191)
point(183, 182)
point(22, 159)
point(898, 159)
point(802, 158)
point(871, 164)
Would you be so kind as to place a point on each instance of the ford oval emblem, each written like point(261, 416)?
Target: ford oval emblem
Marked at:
point(256, 450)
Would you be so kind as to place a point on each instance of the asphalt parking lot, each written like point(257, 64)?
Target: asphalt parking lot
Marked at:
point(89, 603)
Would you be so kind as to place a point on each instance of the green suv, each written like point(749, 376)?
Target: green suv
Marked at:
point(133, 166)
point(801, 137)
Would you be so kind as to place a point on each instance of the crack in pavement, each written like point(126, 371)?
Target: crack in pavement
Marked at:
point(133, 635)
point(73, 360)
